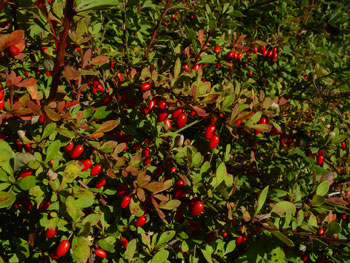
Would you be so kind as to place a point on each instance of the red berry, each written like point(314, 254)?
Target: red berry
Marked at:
point(181, 120)
point(100, 253)
point(77, 151)
point(145, 152)
point(147, 160)
point(320, 159)
point(196, 67)
point(239, 240)
point(255, 49)
point(320, 152)
point(210, 131)
point(125, 201)
point(69, 146)
point(320, 231)
point(167, 123)
point(100, 183)
point(120, 77)
point(186, 67)
point(162, 105)
point(231, 54)
point(111, 64)
point(151, 104)
point(239, 55)
point(14, 51)
point(140, 221)
point(162, 115)
point(25, 173)
point(343, 144)
point(96, 170)
point(44, 205)
point(217, 49)
point(124, 242)
point(197, 208)
point(176, 113)
point(145, 86)
point(250, 73)
point(87, 164)
point(62, 248)
point(50, 232)
point(214, 141)
point(224, 234)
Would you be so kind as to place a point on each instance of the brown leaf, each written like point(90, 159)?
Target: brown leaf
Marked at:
point(170, 205)
point(162, 198)
point(100, 60)
point(200, 36)
point(96, 135)
point(135, 159)
point(34, 107)
point(120, 147)
point(29, 82)
point(52, 175)
point(21, 45)
point(3, 39)
point(51, 114)
point(141, 194)
point(156, 206)
point(61, 105)
point(86, 58)
point(107, 126)
point(330, 176)
point(143, 179)
point(337, 200)
point(157, 187)
point(201, 112)
point(71, 73)
point(14, 38)
point(240, 39)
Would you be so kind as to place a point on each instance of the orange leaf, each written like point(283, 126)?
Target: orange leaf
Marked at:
point(3, 39)
point(100, 60)
point(34, 107)
point(27, 83)
point(14, 38)
point(71, 73)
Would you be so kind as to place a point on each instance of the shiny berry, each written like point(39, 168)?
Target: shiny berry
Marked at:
point(197, 208)
point(100, 183)
point(217, 49)
point(214, 141)
point(140, 221)
point(100, 253)
point(125, 201)
point(62, 248)
point(96, 169)
point(181, 120)
point(87, 164)
point(69, 146)
point(14, 51)
point(77, 151)
point(50, 232)
point(145, 86)
point(210, 131)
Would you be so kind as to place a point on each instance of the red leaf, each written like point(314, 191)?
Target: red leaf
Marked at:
point(14, 38)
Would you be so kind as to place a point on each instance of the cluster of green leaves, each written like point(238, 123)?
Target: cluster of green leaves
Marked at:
point(261, 182)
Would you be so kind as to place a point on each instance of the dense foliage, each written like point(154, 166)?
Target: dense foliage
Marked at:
point(174, 131)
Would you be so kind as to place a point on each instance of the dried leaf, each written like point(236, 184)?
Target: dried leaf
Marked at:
point(141, 194)
point(34, 107)
point(14, 38)
point(100, 60)
point(29, 82)
point(51, 114)
point(200, 36)
point(71, 73)
point(86, 58)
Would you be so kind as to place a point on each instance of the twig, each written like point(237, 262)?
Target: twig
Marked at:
point(166, 9)
point(2, 4)
point(125, 43)
point(296, 233)
point(208, 38)
point(68, 17)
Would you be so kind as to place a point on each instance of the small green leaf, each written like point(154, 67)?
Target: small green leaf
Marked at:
point(230, 246)
point(334, 228)
point(48, 130)
point(221, 172)
point(6, 153)
point(207, 59)
point(22, 159)
point(80, 249)
point(165, 237)
point(6, 199)
point(86, 5)
point(72, 171)
point(228, 101)
point(177, 68)
point(161, 256)
point(283, 238)
point(261, 200)
point(282, 207)
point(52, 150)
point(170, 205)
point(27, 182)
point(130, 250)
point(318, 200)
point(322, 188)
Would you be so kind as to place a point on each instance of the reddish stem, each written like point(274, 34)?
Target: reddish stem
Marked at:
point(68, 17)
point(167, 7)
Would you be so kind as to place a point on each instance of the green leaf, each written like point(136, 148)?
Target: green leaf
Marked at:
point(80, 249)
point(197, 159)
point(130, 250)
point(72, 171)
point(261, 200)
point(165, 237)
point(101, 113)
point(160, 256)
point(207, 59)
point(283, 238)
point(27, 182)
point(207, 252)
point(84, 202)
point(6, 153)
point(73, 211)
point(22, 159)
point(318, 200)
point(322, 188)
point(6, 199)
point(254, 119)
point(282, 207)
point(170, 205)
point(333, 228)
point(107, 244)
point(92, 219)
point(86, 5)
point(230, 246)
point(222, 175)
point(48, 130)
point(228, 101)
point(177, 68)
point(52, 150)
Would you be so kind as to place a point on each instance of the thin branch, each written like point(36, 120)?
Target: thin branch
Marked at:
point(2, 4)
point(208, 38)
point(166, 9)
point(296, 233)
point(125, 43)
point(68, 17)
